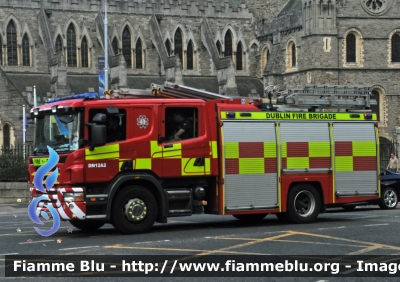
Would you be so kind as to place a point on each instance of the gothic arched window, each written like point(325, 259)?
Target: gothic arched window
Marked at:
point(138, 52)
point(228, 44)
point(351, 48)
point(293, 55)
point(1, 52)
point(84, 53)
point(219, 48)
point(6, 136)
point(178, 44)
point(239, 57)
point(168, 47)
point(189, 55)
point(59, 44)
point(126, 47)
point(71, 46)
point(12, 54)
point(396, 48)
point(26, 54)
point(375, 108)
point(115, 46)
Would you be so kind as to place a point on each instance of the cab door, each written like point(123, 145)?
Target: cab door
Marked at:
point(102, 163)
point(189, 156)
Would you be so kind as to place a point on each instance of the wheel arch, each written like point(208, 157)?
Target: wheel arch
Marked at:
point(143, 179)
point(382, 202)
point(317, 185)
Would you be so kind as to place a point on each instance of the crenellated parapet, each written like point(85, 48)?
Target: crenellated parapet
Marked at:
point(218, 8)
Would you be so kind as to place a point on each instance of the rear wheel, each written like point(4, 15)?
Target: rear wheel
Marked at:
point(304, 204)
point(87, 225)
point(134, 210)
point(389, 198)
point(250, 217)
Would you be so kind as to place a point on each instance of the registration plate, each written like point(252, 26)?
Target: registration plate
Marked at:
point(40, 161)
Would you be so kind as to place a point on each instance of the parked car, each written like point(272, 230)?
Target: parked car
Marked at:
point(390, 190)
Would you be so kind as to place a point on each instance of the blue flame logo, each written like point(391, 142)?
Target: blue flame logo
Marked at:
point(38, 183)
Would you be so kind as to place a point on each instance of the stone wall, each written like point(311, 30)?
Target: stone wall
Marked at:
point(14, 192)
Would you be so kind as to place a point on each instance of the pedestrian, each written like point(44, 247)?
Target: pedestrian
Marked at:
point(393, 163)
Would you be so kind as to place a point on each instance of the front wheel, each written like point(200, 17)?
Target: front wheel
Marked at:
point(87, 225)
point(389, 198)
point(304, 204)
point(134, 210)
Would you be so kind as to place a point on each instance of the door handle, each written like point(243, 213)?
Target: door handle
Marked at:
point(199, 161)
point(168, 146)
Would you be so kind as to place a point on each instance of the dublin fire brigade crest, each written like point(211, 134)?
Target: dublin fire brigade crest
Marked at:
point(142, 122)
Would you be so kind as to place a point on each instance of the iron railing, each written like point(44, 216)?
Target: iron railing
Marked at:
point(14, 162)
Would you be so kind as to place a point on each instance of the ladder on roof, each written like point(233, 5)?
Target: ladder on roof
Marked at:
point(167, 90)
point(172, 90)
point(324, 96)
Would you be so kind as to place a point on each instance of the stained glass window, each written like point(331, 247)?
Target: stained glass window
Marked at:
point(12, 55)
point(26, 54)
point(58, 44)
point(178, 44)
point(219, 48)
point(239, 57)
point(351, 48)
point(138, 52)
point(84, 53)
point(6, 136)
point(115, 46)
point(126, 47)
point(375, 108)
point(228, 44)
point(189, 55)
point(71, 46)
point(168, 47)
point(1, 52)
point(293, 55)
point(396, 48)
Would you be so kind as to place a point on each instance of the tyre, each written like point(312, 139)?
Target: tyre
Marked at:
point(250, 217)
point(87, 225)
point(134, 210)
point(389, 198)
point(304, 204)
point(349, 207)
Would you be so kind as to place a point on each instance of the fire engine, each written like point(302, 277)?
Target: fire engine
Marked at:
point(293, 156)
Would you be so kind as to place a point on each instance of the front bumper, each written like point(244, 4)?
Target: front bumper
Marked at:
point(66, 210)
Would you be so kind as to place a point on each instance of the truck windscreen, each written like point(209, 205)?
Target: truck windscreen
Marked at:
point(60, 132)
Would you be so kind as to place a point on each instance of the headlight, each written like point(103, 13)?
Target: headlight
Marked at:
point(73, 197)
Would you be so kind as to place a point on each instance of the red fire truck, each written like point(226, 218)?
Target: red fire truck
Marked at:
point(238, 156)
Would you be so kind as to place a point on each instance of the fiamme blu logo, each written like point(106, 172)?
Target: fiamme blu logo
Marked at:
point(38, 184)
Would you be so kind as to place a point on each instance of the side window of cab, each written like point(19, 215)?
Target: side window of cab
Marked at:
point(115, 124)
point(181, 123)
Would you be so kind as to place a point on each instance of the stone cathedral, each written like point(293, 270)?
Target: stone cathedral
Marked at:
point(231, 47)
